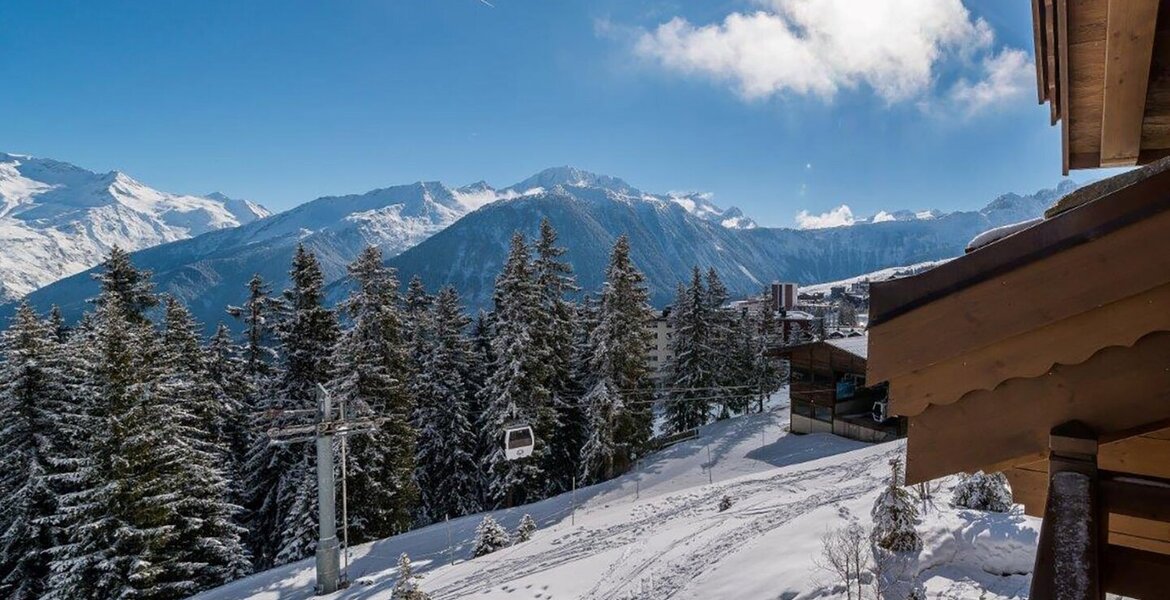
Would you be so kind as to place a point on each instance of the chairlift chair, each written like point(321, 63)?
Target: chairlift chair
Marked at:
point(518, 441)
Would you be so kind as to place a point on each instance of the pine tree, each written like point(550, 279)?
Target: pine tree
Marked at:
point(694, 373)
point(371, 370)
point(206, 549)
point(481, 359)
point(524, 530)
point(554, 340)
point(38, 429)
point(515, 391)
point(226, 370)
point(282, 479)
point(417, 310)
point(406, 586)
point(446, 461)
point(730, 369)
point(150, 518)
point(895, 516)
point(131, 287)
point(619, 389)
point(489, 537)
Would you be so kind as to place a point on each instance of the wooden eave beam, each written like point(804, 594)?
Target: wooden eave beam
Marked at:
point(1051, 68)
point(1041, 57)
point(1129, 49)
point(1062, 79)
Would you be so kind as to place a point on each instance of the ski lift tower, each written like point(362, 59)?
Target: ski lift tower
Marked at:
point(329, 571)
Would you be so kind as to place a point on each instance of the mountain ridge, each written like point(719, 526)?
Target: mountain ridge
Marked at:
point(458, 236)
point(57, 219)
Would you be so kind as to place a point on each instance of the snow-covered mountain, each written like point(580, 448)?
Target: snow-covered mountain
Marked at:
point(459, 236)
point(210, 271)
point(57, 219)
point(669, 236)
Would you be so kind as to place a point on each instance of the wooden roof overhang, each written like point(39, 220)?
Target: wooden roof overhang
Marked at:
point(1068, 320)
point(1103, 66)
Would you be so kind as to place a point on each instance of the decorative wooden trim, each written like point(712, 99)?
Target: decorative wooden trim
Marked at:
point(1033, 353)
point(1117, 389)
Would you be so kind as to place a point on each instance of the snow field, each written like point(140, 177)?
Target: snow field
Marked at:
point(656, 532)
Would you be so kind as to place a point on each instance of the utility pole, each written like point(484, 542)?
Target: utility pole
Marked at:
point(322, 432)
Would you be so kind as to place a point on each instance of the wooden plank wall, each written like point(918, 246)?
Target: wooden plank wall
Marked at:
point(1146, 455)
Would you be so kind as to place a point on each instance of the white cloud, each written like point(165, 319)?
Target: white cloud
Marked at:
point(838, 217)
point(818, 47)
point(883, 216)
point(1007, 76)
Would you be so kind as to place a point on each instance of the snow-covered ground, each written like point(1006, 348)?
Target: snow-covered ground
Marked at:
point(657, 532)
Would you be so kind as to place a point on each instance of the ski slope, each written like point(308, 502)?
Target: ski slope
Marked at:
point(656, 532)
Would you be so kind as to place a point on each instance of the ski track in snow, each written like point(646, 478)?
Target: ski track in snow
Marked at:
point(688, 556)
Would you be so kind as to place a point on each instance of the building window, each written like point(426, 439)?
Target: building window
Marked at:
point(823, 413)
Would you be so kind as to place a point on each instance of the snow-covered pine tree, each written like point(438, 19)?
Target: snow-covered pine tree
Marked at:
point(282, 479)
point(57, 324)
point(446, 470)
point(984, 491)
point(259, 315)
point(742, 375)
point(38, 428)
point(515, 390)
point(206, 548)
point(694, 370)
point(895, 516)
point(767, 371)
point(481, 359)
point(406, 586)
point(226, 370)
point(150, 518)
point(554, 339)
point(524, 530)
point(729, 370)
point(130, 286)
point(416, 312)
point(489, 537)
point(188, 367)
point(618, 387)
point(371, 368)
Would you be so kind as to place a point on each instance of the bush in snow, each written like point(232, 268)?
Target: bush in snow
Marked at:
point(894, 516)
point(406, 588)
point(725, 503)
point(984, 491)
point(525, 530)
point(489, 537)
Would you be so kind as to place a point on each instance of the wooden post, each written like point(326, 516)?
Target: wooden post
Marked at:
point(1068, 554)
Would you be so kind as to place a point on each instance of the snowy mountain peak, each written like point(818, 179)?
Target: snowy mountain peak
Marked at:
point(57, 219)
point(700, 205)
point(573, 177)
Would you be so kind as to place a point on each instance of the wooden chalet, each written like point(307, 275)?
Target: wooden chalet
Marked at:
point(1046, 353)
point(828, 393)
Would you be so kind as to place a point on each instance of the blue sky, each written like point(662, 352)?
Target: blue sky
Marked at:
point(776, 106)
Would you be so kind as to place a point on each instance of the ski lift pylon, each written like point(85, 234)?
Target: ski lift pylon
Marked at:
point(519, 441)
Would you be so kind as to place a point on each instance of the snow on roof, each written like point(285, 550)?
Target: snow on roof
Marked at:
point(994, 235)
point(857, 346)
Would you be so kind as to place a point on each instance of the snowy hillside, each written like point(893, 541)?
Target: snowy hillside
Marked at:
point(57, 219)
point(657, 532)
